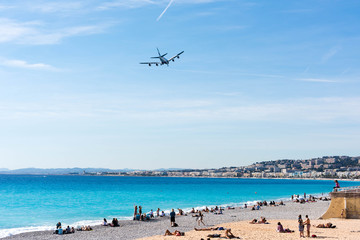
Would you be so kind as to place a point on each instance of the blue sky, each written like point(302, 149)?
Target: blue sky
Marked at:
point(259, 80)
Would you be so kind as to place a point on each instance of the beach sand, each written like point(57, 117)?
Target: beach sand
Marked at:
point(236, 219)
point(345, 229)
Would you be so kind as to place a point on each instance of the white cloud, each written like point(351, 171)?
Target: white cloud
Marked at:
point(320, 80)
point(63, 6)
point(331, 53)
point(296, 111)
point(38, 33)
point(26, 65)
point(160, 16)
point(125, 3)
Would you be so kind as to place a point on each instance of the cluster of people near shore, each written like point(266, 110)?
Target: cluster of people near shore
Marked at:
point(68, 230)
point(140, 216)
point(114, 223)
point(296, 198)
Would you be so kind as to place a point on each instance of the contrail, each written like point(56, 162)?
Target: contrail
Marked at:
point(171, 1)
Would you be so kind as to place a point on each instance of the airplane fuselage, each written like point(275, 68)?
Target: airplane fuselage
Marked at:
point(164, 61)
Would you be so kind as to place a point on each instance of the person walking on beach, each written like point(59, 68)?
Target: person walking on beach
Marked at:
point(140, 210)
point(307, 223)
point(172, 217)
point(301, 226)
point(200, 218)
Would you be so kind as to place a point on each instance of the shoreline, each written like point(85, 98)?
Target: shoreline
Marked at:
point(96, 223)
point(130, 229)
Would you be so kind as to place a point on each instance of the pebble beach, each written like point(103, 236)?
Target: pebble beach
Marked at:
point(237, 219)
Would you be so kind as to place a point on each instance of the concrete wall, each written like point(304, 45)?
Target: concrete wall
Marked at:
point(343, 205)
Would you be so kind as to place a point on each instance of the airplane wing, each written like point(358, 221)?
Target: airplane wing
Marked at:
point(176, 56)
point(150, 63)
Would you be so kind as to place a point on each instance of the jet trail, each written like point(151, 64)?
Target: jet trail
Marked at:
point(171, 1)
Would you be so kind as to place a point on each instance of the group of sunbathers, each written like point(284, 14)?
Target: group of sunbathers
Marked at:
point(61, 231)
point(114, 223)
point(261, 221)
point(69, 230)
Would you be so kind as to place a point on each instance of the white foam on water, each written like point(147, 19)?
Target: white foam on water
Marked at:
point(14, 231)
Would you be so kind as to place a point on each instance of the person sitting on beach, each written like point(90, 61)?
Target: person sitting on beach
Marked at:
point(280, 229)
point(162, 214)
point(253, 208)
point(337, 185)
point(86, 228)
point(258, 207)
point(105, 223)
point(68, 230)
point(60, 231)
point(219, 212)
point(245, 205)
point(176, 233)
point(263, 220)
point(229, 235)
point(181, 212)
point(114, 223)
point(192, 210)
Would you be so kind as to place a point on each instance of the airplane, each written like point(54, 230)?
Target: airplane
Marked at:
point(162, 59)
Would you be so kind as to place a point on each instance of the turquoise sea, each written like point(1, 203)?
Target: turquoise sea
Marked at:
point(29, 202)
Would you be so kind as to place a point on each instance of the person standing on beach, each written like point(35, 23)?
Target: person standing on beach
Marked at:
point(307, 223)
point(58, 225)
point(172, 217)
point(158, 212)
point(135, 212)
point(301, 226)
point(140, 210)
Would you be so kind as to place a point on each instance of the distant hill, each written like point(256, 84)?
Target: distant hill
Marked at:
point(57, 171)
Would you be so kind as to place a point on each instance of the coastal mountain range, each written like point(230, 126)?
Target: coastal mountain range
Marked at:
point(61, 171)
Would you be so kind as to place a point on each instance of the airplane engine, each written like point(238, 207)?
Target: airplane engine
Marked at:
point(157, 64)
point(178, 56)
point(149, 65)
point(173, 60)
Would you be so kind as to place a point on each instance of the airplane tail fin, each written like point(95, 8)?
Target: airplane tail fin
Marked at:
point(160, 54)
